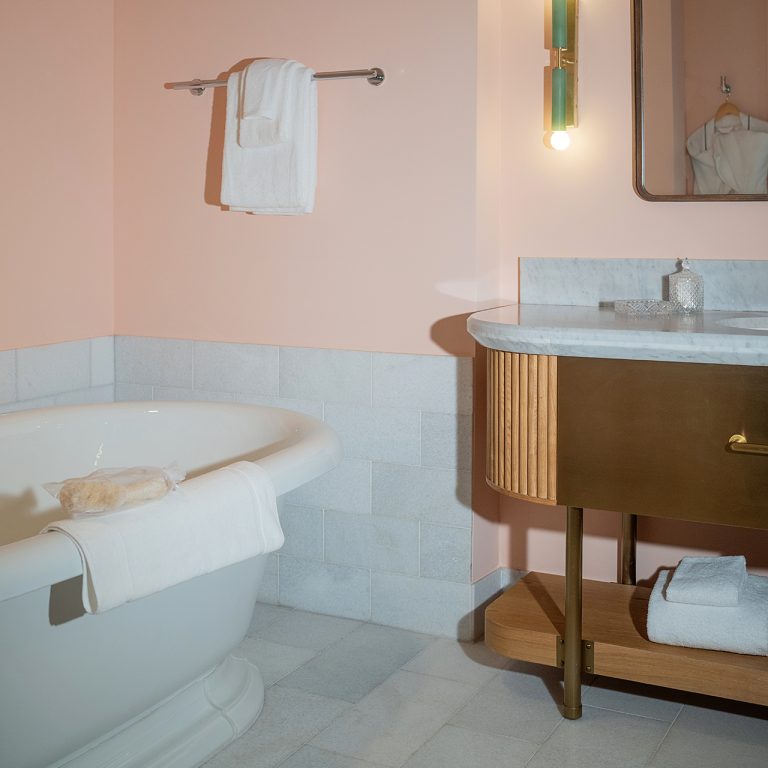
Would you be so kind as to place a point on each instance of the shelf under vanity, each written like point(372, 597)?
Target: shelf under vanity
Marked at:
point(589, 409)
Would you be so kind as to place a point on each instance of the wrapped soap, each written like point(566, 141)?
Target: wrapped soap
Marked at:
point(108, 490)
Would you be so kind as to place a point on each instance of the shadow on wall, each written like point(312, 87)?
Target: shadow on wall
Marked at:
point(213, 163)
point(451, 335)
point(524, 517)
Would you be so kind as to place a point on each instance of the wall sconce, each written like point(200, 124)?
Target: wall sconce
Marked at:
point(563, 52)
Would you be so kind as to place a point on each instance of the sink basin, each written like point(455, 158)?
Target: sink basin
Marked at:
point(747, 323)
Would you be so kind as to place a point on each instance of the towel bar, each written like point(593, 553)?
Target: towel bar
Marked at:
point(374, 76)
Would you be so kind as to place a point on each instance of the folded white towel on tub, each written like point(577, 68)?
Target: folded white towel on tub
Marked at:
point(211, 521)
point(708, 581)
point(740, 629)
point(263, 177)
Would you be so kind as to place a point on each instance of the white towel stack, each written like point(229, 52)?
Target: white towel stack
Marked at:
point(209, 522)
point(710, 602)
point(270, 139)
point(708, 581)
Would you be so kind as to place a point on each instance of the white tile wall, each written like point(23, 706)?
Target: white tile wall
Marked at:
point(246, 368)
point(52, 369)
point(303, 529)
point(8, 376)
point(102, 361)
point(387, 534)
point(432, 384)
point(423, 493)
point(446, 440)
point(337, 590)
point(159, 362)
point(384, 536)
point(334, 376)
point(346, 488)
point(380, 434)
point(70, 373)
point(380, 543)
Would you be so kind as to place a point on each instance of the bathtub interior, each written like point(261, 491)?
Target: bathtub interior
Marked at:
point(58, 443)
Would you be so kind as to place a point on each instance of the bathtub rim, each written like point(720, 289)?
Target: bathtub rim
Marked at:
point(45, 559)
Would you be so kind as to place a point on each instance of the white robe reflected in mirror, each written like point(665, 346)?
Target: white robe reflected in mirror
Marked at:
point(730, 156)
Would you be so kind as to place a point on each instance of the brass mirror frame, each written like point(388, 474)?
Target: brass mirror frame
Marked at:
point(638, 134)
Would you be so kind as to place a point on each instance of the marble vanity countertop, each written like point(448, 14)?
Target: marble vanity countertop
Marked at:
point(571, 331)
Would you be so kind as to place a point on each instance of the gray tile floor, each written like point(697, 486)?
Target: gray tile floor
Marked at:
point(346, 694)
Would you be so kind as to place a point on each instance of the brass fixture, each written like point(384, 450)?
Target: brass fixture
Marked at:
point(572, 650)
point(739, 444)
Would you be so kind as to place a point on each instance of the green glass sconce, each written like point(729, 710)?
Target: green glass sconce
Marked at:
point(564, 73)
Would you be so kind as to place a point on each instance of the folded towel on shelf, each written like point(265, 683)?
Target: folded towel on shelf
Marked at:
point(211, 521)
point(276, 178)
point(708, 581)
point(739, 629)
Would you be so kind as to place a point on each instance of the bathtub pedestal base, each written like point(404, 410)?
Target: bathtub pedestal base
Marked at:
point(187, 728)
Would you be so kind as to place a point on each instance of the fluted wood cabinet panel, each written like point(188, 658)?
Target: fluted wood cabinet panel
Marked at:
point(522, 425)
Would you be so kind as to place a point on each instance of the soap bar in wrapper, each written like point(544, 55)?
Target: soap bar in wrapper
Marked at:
point(107, 490)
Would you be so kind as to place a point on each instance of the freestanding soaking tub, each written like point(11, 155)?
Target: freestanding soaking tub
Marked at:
point(151, 683)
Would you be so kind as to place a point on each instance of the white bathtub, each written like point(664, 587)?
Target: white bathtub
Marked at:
point(151, 683)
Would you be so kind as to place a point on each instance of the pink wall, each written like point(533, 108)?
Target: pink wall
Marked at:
point(664, 133)
point(431, 188)
point(56, 160)
point(723, 40)
point(580, 203)
point(391, 248)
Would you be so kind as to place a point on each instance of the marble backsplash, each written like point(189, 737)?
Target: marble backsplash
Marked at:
point(728, 284)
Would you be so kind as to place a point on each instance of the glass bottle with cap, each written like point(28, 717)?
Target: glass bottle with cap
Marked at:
point(686, 289)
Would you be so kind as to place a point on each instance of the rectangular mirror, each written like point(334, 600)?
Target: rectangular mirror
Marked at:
point(701, 99)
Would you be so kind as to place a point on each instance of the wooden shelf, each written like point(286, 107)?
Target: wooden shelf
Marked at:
point(527, 620)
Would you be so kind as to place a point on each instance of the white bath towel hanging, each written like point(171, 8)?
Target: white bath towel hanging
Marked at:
point(270, 141)
point(262, 119)
point(209, 522)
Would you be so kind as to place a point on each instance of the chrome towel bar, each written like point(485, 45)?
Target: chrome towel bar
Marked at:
point(374, 76)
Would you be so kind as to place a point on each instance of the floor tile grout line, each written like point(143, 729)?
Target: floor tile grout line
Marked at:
point(355, 704)
point(496, 735)
point(536, 752)
point(449, 679)
point(631, 714)
point(546, 740)
point(664, 737)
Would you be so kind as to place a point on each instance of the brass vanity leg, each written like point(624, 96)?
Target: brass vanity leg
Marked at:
point(572, 651)
point(627, 561)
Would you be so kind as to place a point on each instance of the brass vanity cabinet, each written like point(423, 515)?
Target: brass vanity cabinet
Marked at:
point(651, 438)
point(683, 441)
point(646, 438)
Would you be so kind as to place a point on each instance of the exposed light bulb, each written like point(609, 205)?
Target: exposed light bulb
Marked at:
point(560, 140)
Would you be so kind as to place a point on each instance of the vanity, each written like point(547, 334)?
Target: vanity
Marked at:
point(662, 416)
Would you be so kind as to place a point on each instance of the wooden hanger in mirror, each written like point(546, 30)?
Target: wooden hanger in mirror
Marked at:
point(727, 108)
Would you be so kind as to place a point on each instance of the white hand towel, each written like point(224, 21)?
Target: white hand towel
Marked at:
point(741, 629)
point(211, 521)
point(276, 178)
point(708, 581)
point(263, 92)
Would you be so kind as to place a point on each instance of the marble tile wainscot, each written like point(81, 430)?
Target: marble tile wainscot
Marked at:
point(728, 284)
point(385, 537)
point(69, 373)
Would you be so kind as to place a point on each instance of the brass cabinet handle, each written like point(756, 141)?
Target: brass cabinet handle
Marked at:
point(739, 444)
